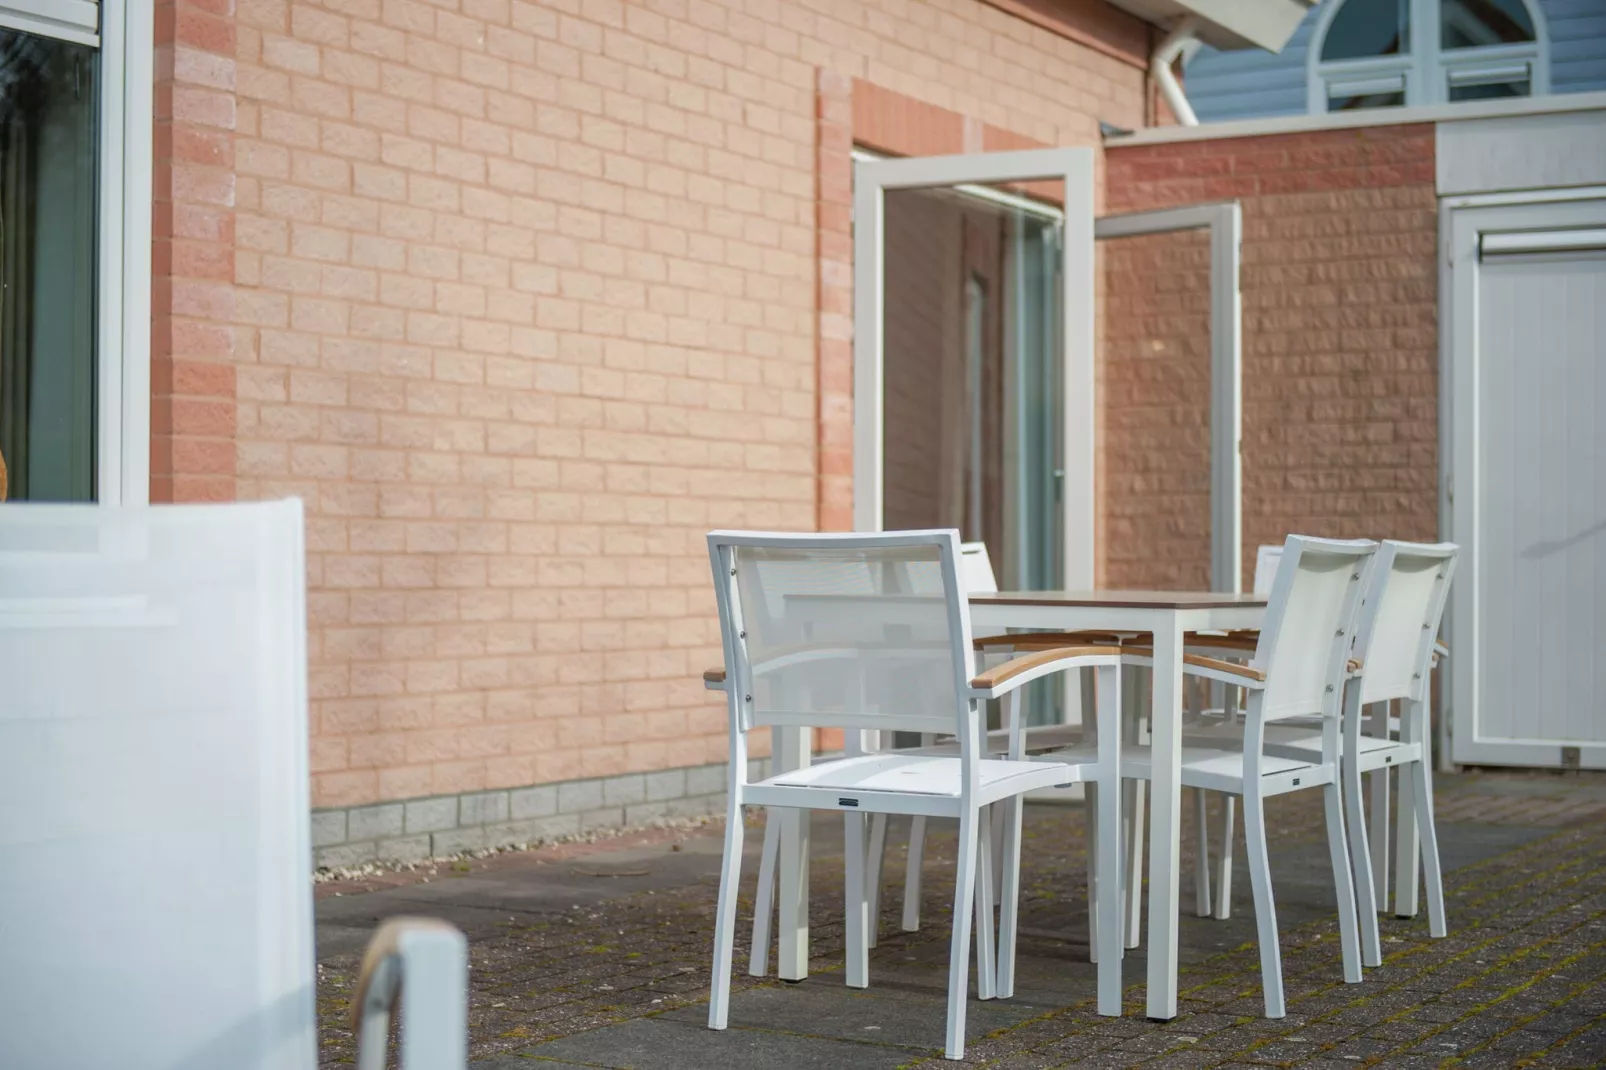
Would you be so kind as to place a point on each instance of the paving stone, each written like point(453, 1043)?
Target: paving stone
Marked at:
point(664, 1045)
point(605, 961)
point(624, 790)
point(669, 784)
point(577, 795)
point(328, 827)
point(483, 808)
point(376, 822)
point(541, 801)
point(431, 815)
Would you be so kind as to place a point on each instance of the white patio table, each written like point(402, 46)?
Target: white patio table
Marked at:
point(1168, 615)
point(1165, 614)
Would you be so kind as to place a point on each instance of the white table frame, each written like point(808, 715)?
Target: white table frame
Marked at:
point(1167, 615)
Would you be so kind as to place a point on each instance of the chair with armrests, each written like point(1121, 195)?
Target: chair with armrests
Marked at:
point(154, 804)
point(1298, 670)
point(828, 653)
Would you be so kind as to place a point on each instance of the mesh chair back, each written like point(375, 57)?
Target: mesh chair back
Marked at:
point(1266, 559)
point(154, 816)
point(1310, 617)
point(851, 631)
point(1405, 601)
point(976, 569)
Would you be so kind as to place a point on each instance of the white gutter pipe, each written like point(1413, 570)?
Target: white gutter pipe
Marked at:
point(1179, 42)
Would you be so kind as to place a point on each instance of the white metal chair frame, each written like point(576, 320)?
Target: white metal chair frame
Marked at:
point(858, 785)
point(1389, 622)
point(1395, 642)
point(1299, 669)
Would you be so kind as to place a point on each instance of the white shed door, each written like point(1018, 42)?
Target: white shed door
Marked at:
point(1529, 381)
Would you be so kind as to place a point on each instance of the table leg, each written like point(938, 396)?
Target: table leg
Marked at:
point(793, 751)
point(1165, 818)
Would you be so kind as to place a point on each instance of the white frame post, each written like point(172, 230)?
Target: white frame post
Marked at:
point(124, 153)
point(123, 222)
point(1465, 224)
point(1224, 221)
point(872, 178)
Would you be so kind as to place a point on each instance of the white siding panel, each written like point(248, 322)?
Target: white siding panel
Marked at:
point(1542, 571)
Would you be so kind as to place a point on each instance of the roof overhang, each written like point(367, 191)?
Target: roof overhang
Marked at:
point(1227, 24)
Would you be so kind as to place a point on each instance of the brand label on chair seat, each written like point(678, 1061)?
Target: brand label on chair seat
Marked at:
point(847, 802)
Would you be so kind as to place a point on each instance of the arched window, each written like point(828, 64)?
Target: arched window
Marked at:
point(1380, 53)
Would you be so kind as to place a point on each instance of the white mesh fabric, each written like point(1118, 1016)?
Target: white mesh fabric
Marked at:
point(1320, 602)
point(1401, 627)
point(857, 632)
point(153, 789)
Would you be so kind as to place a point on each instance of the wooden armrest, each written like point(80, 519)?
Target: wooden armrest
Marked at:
point(1046, 640)
point(1199, 661)
point(713, 676)
point(380, 975)
point(1227, 641)
point(1014, 667)
point(1354, 664)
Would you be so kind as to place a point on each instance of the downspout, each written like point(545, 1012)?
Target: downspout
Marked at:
point(1179, 42)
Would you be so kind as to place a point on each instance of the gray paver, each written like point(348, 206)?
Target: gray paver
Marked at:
point(431, 815)
point(661, 1045)
point(604, 960)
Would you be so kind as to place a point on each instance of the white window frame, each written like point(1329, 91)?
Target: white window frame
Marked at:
point(871, 180)
point(1425, 71)
point(1224, 222)
point(126, 42)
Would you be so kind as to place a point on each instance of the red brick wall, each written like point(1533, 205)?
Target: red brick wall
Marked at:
point(1155, 397)
point(1340, 344)
point(522, 299)
point(192, 272)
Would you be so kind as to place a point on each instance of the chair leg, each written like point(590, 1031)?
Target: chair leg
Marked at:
point(1360, 851)
point(911, 875)
point(1201, 871)
point(758, 962)
point(959, 945)
point(1406, 848)
point(1229, 816)
point(1271, 956)
point(1379, 834)
point(986, 961)
point(1134, 790)
point(1093, 842)
point(730, 880)
point(1009, 897)
point(997, 857)
point(1343, 884)
point(872, 874)
point(1105, 899)
point(855, 906)
point(1422, 784)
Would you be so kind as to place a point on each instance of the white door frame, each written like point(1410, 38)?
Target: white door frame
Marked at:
point(1224, 221)
point(123, 32)
point(1531, 221)
point(871, 180)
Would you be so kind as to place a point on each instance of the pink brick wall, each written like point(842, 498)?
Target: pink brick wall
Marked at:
point(525, 298)
point(1340, 339)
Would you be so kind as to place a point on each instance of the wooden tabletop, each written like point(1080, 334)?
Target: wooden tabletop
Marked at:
point(1123, 599)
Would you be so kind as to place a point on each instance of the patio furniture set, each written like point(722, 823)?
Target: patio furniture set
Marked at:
point(900, 639)
point(157, 708)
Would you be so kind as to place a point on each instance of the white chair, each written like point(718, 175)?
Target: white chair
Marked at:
point(1394, 642)
point(1298, 669)
point(1379, 725)
point(157, 885)
point(886, 660)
